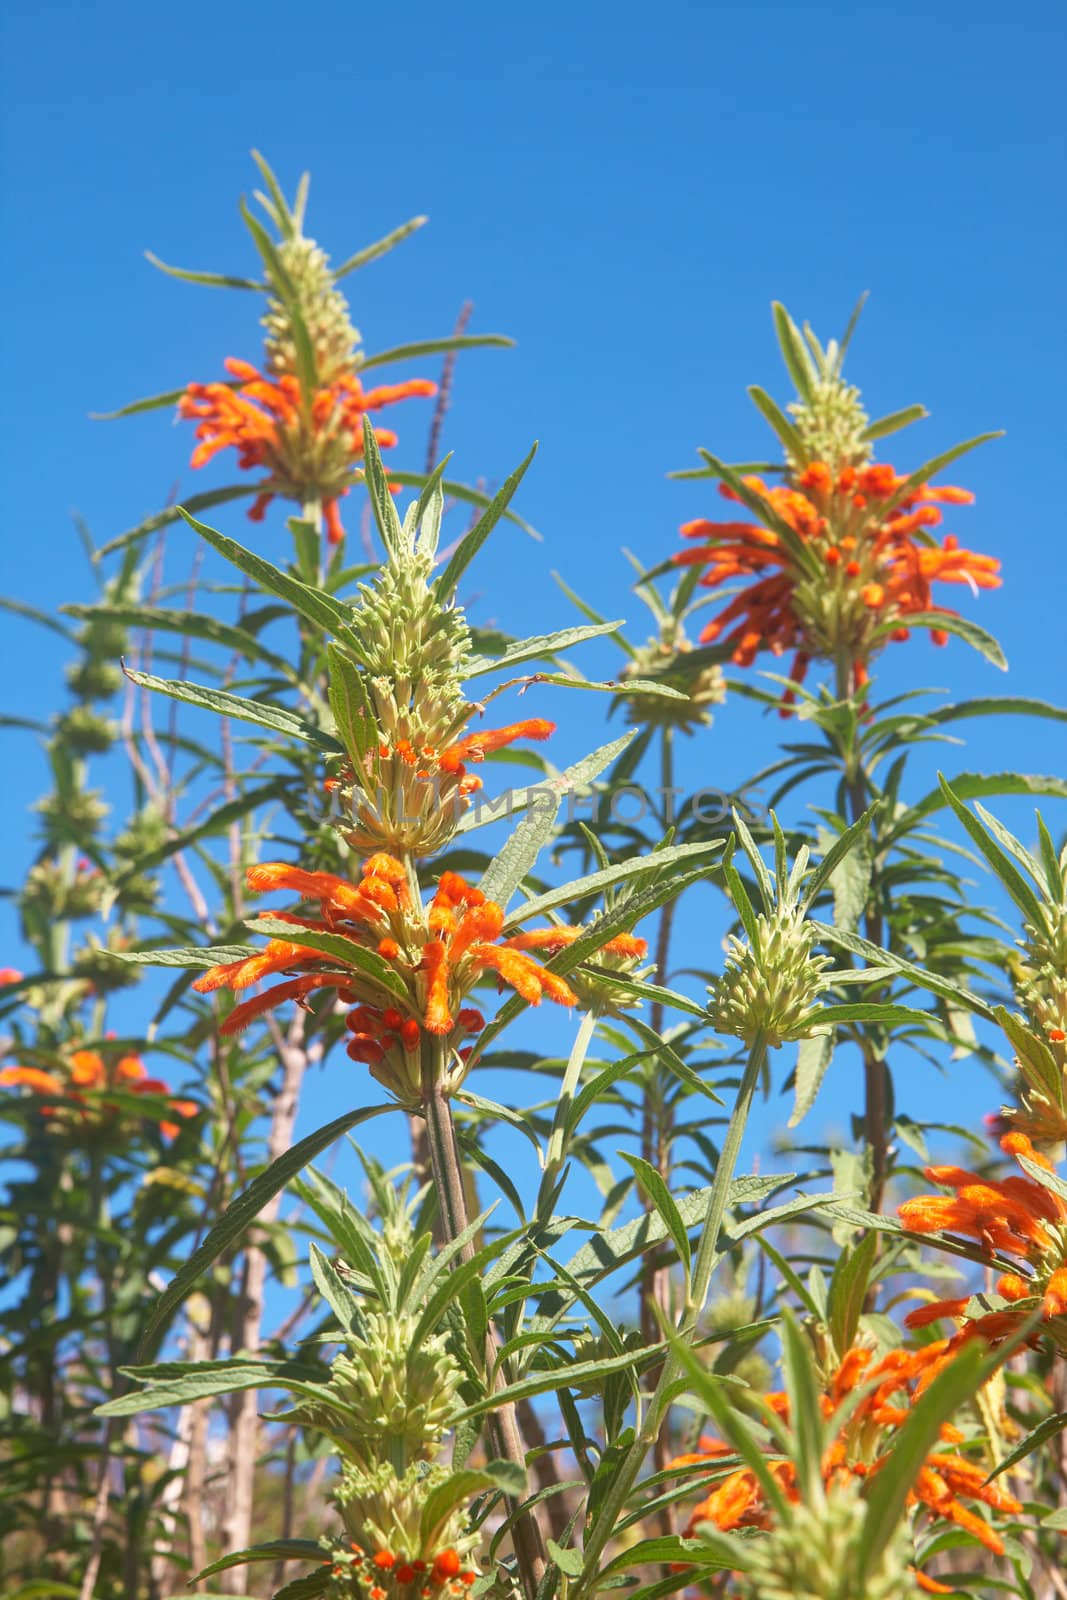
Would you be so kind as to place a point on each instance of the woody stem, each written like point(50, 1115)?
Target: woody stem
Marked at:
point(503, 1427)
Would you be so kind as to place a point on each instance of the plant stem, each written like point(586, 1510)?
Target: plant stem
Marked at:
point(447, 1172)
point(557, 1141)
point(657, 1120)
point(876, 1104)
point(707, 1260)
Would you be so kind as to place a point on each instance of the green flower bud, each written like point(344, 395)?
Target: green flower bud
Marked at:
point(323, 309)
point(663, 660)
point(815, 1554)
point(94, 680)
point(771, 988)
point(85, 733)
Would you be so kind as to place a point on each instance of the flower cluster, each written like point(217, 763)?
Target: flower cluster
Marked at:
point(86, 1079)
point(403, 968)
point(306, 442)
point(948, 1485)
point(844, 560)
point(396, 689)
point(1018, 1217)
point(388, 1408)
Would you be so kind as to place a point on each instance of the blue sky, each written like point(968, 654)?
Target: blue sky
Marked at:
point(622, 189)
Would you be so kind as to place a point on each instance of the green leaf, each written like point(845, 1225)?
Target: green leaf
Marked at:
point(189, 956)
point(595, 882)
point(761, 508)
point(1046, 1429)
point(998, 705)
point(190, 624)
point(506, 871)
point(659, 1196)
point(19, 608)
point(848, 1290)
point(212, 280)
point(786, 431)
point(568, 1561)
point(223, 704)
point(813, 1058)
point(333, 616)
point(282, 285)
point(463, 493)
point(949, 622)
point(340, 1299)
point(346, 952)
point(805, 1414)
point(929, 470)
point(878, 958)
point(381, 247)
point(274, 1550)
point(794, 351)
point(838, 851)
point(1005, 869)
point(163, 519)
point(244, 1210)
point(177, 1383)
point(893, 422)
point(151, 402)
point(436, 347)
point(671, 1549)
point(547, 645)
point(976, 786)
point(352, 710)
point(461, 1487)
point(468, 547)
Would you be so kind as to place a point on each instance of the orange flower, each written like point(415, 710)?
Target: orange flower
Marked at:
point(1016, 1217)
point(88, 1077)
point(853, 561)
point(862, 1446)
point(418, 962)
point(308, 444)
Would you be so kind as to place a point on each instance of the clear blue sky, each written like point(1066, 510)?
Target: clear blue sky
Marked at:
point(622, 188)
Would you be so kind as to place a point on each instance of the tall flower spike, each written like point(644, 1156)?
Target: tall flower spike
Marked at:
point(300, 421)
point(397, 696)
point(425, 960)
point(387, 1409)
point(770, 985)
point(1016, 1217)
point(842, 554)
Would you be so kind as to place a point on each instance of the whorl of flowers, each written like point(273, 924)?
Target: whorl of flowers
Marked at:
point(404, 969)
point(842, 554)
point(75, 1091)
point(862, 1437)
point(663, 660)
point(397, 693)
point(388, 1408)
point(1018, 1217)
point(770, 987)
point(300, 420)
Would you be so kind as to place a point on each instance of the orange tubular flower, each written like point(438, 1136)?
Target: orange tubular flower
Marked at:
point(862, 561)
point(1015, 1216)
point(423, 961)
point(88, 1078)
point(862, 1447)
point(308, 445)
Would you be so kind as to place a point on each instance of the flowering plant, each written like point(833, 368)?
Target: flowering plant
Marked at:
point(530, 1351)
